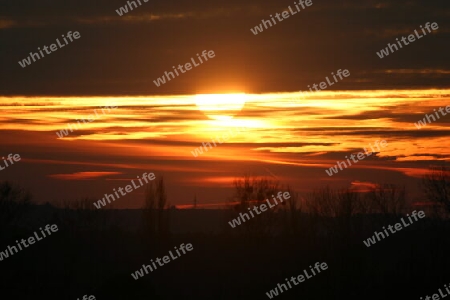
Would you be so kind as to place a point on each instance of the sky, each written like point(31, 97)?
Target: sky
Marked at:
point(122, 55)
point(285, 136)
point(277, 131)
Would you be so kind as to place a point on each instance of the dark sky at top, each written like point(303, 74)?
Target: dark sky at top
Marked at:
point(123, 55)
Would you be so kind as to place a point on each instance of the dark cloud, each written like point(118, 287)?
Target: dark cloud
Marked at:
point(123, 55)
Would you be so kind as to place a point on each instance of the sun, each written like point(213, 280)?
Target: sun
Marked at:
point(220, 106)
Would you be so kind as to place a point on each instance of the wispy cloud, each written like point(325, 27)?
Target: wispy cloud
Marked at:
point(82, 175)
point(6, 23)
point(416, 71)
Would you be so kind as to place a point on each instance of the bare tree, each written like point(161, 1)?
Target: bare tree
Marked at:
point(321, 202)
point(252, 191)
point(154, 205)
point(80, 214)
point(14, 202)
point(292, 212)
point(388, 199)
point(436, 186)
point(332, 211)
point(149, 211)
point(195, 202)
point(348, 205)
point(162, 201)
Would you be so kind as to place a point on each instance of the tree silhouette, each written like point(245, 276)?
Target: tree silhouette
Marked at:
point(14, 202)
point(155, 218)
point(252, 191)
point(436, 186)
point(388, 199)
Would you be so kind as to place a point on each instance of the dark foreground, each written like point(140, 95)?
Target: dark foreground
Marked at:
point(89, 255)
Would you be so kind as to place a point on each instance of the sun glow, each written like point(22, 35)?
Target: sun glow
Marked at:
point(220, 106)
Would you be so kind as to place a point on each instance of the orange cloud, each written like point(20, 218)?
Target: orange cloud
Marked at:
point(362, 186)
point(82, 175)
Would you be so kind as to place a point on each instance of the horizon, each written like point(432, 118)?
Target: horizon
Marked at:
point(164, 134)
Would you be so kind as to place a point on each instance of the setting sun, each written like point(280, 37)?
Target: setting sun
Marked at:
point(220, 106)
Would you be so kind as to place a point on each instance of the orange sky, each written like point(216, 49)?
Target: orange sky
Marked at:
point(279, 135)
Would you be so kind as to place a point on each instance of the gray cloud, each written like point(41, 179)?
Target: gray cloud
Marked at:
point(123, 55)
